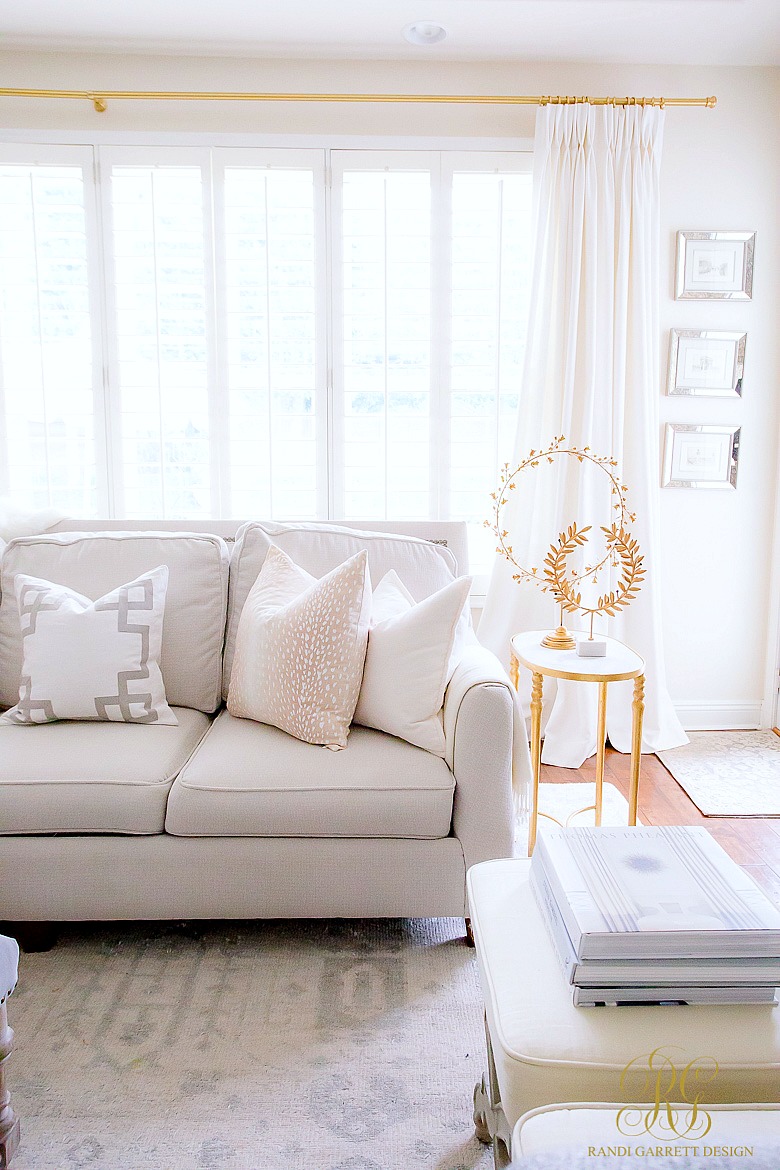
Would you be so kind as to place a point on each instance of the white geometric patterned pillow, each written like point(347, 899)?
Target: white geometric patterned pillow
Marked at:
point(300, 648)
point(92, 659)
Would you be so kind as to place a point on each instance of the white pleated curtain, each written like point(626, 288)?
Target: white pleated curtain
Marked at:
point(592, 374)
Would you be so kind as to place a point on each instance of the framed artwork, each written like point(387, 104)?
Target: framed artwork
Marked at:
point(706, 362)
point(700, 456)
point(715, 265)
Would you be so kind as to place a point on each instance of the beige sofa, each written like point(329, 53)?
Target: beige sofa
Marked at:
point(226, 818)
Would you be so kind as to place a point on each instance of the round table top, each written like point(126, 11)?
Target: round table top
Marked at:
point(619, 663)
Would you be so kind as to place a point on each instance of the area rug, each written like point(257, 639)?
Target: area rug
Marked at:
point(267, 1046)
point(564, 802)
point(729, 773)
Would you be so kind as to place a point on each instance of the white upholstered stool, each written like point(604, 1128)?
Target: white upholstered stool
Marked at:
point(542, 1049)
point(9, 1123)
point(586, 1129)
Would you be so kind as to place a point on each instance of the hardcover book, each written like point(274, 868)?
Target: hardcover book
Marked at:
point(655, 892)
point(657, 996)
point(600, 973)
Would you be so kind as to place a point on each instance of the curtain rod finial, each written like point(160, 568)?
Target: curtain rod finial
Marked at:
point(711, 102)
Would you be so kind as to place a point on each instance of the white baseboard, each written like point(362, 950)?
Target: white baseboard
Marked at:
point(719, 716)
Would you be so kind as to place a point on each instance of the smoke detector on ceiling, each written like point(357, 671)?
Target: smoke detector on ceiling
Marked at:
point(424, 32)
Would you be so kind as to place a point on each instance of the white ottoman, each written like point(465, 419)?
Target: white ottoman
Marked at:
point(9, 1123)
point(542, 1050)
point(591, 1130)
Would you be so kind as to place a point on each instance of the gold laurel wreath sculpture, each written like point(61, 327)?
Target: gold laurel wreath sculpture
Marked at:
point(622, 549)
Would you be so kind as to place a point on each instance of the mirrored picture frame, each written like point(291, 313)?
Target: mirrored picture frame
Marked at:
point(700, 456)
point(715, 266)
point(707, 363)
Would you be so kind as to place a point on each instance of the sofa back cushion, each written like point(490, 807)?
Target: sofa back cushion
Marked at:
point(423, 567)
point(96, 563)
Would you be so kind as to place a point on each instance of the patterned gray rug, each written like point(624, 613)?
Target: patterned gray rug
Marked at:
point(268, 1046)
point(729, 773)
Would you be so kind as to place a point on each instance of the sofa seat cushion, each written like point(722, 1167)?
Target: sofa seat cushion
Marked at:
point(252, 780)
point(92, 777)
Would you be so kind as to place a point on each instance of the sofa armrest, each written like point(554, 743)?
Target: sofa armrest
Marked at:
point(487, 751)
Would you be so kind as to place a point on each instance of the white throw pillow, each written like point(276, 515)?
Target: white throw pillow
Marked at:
point(92, 659)
point(412, 652)
point(300, 648)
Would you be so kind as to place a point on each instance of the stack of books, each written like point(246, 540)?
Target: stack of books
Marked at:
point(654, 916)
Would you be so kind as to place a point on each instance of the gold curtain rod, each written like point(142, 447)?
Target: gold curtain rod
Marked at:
point(100, 98)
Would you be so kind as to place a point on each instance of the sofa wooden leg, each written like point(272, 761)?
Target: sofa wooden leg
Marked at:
point(33, 937)
point(9, 1122)
point(469, 939)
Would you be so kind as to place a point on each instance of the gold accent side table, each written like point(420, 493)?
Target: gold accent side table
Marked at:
point(619, 664)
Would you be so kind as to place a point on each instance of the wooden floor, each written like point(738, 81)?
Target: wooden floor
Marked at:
point(752, 841)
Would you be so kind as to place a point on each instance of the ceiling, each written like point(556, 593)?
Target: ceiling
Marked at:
point(706, 32)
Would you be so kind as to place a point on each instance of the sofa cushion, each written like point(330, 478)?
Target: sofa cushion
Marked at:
point(88, 659)
point(92, 777)
point(300, 649)
point(411, 655)
point(423, 566)
point(252, 780)
point(96, 563)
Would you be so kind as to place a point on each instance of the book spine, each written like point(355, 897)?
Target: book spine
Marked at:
point(543, 861)
point(676, 973)
point(660, 996)
point(556, 931)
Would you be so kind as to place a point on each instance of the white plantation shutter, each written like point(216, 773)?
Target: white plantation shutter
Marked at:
point(431, 269)
point(270, 304)
point(49, 376)
point(160, 328)
point(383, 386)
point(250, 332)
point(490, 274)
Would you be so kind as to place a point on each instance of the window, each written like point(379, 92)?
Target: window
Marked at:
point(194, 332)
point(156, 252)
point(385, 393)
point(50, 450)
point(272, 313)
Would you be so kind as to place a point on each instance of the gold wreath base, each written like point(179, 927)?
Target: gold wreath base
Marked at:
point(559, 639)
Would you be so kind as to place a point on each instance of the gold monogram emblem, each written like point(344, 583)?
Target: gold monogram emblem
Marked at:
point(682, 1116)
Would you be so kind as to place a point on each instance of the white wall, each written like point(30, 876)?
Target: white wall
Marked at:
point(720, 170)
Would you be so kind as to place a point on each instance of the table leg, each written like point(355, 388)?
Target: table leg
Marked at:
point(536, 755)
point(490, 1122)
point(9, 1122)
point(514, 669)
point(601, 743)
point(637, 715)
